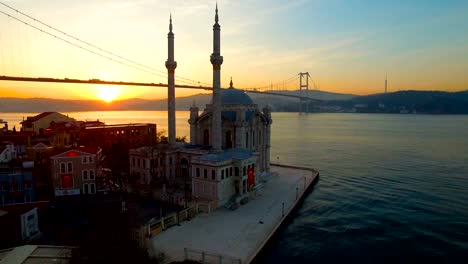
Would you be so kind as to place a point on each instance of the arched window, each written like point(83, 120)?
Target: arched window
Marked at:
point(228, 139)
point(206, 137)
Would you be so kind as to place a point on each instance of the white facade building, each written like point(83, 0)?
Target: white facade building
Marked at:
point(229, 142)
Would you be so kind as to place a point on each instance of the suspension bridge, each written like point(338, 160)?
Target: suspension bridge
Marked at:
point(276, 89)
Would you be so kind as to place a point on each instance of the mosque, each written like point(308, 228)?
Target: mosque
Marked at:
point(229, 145)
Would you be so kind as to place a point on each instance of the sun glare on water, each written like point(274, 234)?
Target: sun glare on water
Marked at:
point(108, 93)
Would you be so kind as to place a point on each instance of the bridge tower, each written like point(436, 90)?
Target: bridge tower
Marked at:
point(303, 92)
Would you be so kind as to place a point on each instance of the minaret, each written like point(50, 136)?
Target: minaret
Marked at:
point(171, 65)
point(193, 123)
point(216, 60)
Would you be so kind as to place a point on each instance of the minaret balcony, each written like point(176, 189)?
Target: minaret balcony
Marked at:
point(171, 65)
point(216, 59)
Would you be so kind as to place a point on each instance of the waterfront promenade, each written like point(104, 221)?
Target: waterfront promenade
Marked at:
point(237, 236)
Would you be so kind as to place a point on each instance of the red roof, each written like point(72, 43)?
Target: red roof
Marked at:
point(35, 118)
point(17, 138)
point(90, 150)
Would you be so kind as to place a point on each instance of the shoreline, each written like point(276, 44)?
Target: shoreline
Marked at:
point(238, 236)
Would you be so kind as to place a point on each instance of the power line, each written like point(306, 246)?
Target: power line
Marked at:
point(78, 46)
point(89, 44)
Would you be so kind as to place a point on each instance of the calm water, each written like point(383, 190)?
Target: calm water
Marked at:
point(391, 185)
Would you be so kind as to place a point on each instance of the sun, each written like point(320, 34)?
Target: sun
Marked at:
point(108, 93)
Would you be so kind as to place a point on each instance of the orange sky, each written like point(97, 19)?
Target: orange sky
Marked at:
point(346, 47)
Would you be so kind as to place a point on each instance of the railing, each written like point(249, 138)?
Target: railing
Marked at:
point(209, 258)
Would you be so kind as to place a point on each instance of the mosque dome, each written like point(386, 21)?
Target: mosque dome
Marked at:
point(232, 96)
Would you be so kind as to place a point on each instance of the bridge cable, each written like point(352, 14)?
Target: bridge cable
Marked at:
point(289, 80)
point(94, 46)
point(81, 47)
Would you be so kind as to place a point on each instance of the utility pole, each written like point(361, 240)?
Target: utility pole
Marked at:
point(303, 91)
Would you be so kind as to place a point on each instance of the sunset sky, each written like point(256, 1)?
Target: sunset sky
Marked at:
point(347, 46)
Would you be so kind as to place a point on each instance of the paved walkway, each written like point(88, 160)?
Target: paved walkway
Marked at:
point(238, 234)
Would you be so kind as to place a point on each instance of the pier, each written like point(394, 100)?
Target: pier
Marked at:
point(226, 236)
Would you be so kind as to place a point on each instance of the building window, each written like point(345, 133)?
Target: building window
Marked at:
point(138, 161)
point(55, 162)
point(170, 160)
point(230, 171)
point(222, 174)
point(69, 167)
point(206, 137)
point(228, 139)
point(90, 159)
point(247, 139)
point(91, 174)
point(244, 171)
point(89, 188)
point(27, 184)
point(133, 161)
point(85, 174)
point(198, 172)
point(236, 171)
point(63, 168)
point(213, 175)
point(253, 138)
point(205, 173)
point(84, 160)
point(144, 163)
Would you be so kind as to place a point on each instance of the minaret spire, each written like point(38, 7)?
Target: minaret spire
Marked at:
point(216, 60)
point(171, 65)
point(216, 16)
point(170, 22)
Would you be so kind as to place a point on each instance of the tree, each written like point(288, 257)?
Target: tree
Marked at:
point(108, 239)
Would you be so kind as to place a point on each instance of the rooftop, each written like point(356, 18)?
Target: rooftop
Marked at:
point(233, 96)
point(37, 117)
point(228, 154)
point(120, 125)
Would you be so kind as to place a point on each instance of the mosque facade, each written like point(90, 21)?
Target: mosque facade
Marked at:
point(229, 141)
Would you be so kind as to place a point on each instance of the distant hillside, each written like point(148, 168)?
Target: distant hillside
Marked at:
point(182, 103)
point(431, 102)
